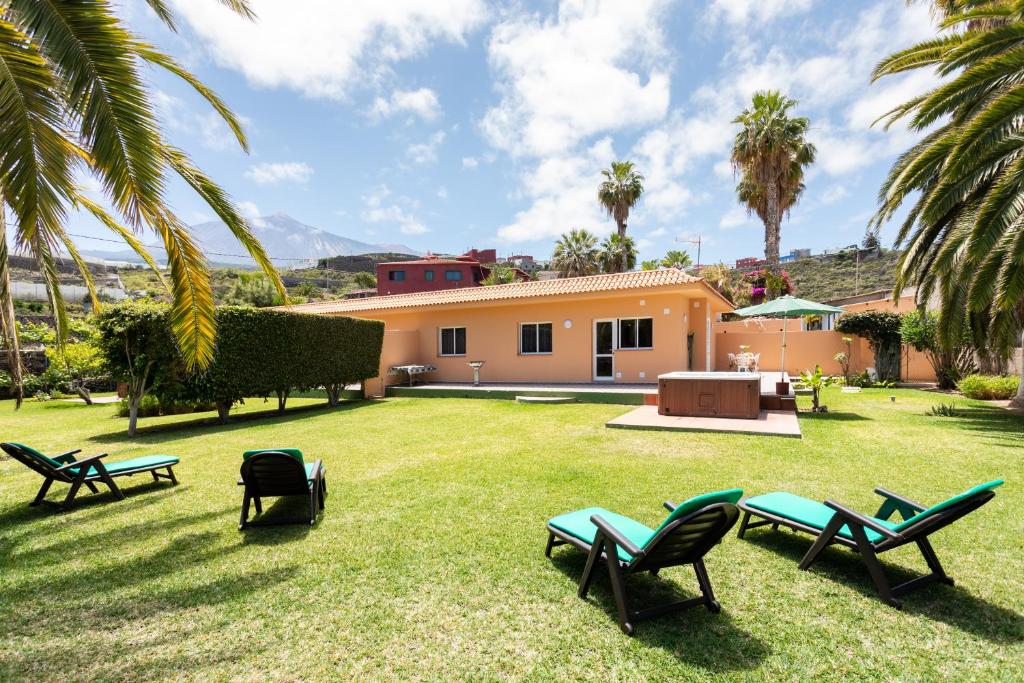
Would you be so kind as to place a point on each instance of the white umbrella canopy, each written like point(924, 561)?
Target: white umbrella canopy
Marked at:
point(786, 307)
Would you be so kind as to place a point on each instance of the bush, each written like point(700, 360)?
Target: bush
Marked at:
point(882, 330)
point(943, 410)
point(989, 387)
point(151, 406)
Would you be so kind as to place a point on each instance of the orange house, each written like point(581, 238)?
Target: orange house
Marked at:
point(624, 327)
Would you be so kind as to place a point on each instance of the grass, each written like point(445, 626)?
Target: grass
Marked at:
point(429, 563)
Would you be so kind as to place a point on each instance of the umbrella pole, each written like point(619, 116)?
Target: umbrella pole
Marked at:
point(782, 370)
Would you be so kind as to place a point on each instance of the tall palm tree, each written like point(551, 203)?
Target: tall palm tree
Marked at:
point(770, 152)
point(618, 194)
point(676, 259)
point(964, 233)
point(575, 254)
point(617, 254)
point(73, 102)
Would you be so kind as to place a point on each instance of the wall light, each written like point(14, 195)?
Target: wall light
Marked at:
point(567, 324)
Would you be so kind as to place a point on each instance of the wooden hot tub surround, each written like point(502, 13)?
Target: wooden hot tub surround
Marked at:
point(710, 394)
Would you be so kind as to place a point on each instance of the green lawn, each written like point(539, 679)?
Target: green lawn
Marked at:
point(429, 561)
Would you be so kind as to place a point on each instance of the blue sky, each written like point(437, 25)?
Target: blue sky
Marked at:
point(446, 124)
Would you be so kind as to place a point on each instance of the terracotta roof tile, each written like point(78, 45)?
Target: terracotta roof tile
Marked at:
point(516, 290)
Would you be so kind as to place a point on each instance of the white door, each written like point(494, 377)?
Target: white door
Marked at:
point(604, 350)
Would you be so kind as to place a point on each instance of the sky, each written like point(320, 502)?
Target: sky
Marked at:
point(450, 124)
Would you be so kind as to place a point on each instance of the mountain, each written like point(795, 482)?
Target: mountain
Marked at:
point(285, 239)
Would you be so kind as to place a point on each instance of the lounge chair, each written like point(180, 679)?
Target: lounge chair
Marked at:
point(870, 536)
point(280, 472)
point(628, 547)
point(85, 472)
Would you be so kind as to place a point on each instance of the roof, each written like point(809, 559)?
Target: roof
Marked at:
point(432, 262)
point(877, 295)
point(515, 291)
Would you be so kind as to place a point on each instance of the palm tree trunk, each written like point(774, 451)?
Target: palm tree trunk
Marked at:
point(1018, 400)
point(622, 245)
point(8, 329)
point(772, 228)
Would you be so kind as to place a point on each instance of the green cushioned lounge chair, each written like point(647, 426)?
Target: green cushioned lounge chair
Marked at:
point(628, 547)
point(85, 472)
point(272, 472)
point(835, 523)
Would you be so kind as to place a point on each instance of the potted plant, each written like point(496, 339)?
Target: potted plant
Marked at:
point(816, 381)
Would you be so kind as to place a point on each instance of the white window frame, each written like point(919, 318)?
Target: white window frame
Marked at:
point(537, 353)
point(440, 341)
point(618, 334)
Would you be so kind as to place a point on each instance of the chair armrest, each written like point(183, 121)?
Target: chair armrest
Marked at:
point(861, 520)
point(318, 471)
point(83, 461)
point(670, 506)
point(63, 457)
point(896, 503)
point(613, 534)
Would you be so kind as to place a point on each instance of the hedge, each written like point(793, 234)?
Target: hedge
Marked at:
point(258, 352)
point(882, 330)
point(989, 387)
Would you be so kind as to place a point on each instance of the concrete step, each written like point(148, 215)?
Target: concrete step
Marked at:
point(545, 399)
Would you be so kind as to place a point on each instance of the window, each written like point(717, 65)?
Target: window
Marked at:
point(396, 275)
point(453, 341)
point(636, 333)
point(535, 338)
point(428, 275)
point(453, 275)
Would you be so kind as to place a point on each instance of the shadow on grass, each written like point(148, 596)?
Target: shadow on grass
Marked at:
point(952, 605)
point(172, 431)
point(709, 641)
point(995, 424)
point(284, 521)
point(88, 505)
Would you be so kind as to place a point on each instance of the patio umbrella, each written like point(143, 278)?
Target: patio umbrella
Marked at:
point(786, 307)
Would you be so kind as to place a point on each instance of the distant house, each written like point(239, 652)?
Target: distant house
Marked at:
point(435, 273)
point(749, 262)
point(623, 327)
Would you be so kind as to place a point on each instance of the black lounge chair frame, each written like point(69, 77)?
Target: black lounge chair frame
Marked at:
point(82, 477)
point(684, 541)
point(274, 474)
point(916, 533)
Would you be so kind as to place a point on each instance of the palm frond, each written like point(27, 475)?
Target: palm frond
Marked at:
point(83, 268)
point(124, 233)
point(8, 329)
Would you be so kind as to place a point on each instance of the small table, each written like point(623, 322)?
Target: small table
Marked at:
point(411, 370)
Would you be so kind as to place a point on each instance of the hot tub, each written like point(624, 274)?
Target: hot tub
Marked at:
point(710, 394)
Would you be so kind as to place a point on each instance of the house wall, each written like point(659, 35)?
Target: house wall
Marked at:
point(492, 335)
point(415, 277)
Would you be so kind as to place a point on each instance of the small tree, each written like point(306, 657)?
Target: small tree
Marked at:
point(843, 358)
point(79, 362)
point(137, 348)
point(816, 381)
point(920, 329)
point(365, 280)
point(882, 330)
point(499, 275)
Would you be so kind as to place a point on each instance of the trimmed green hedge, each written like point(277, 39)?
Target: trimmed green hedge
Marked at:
point(258, 352)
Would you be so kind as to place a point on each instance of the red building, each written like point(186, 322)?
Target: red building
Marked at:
point(749, 262)
point(434, 273)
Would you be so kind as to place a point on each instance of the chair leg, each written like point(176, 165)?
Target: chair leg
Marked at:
point(823, 541)
point(108, 480)
point(259, 505)
point(313, 495)
point(155, 478)
point(933, 561)
point(72, 492)
point(245, 511)
point(867, 553)
point(550, 545)
point(588, 570)
point(743, 524)
point(705, 586)
point(618, 587)
point(92, 487)
point(42, 492)
point(170, 473)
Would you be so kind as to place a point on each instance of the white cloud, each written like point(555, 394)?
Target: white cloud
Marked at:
point(376, 210)
point(561, 192)
point(657, 232)
point(834, 194)
point(442, 192)
point(734, 218)
point(469, 162)
point(324, 48)
point(285, 171)
point(746, 11)
point(208, 126)
point(422, 102)
point(426, 152)
point(596, 67)
point(251, 212)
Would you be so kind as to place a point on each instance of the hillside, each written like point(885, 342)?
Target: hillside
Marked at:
point(361, 262)
point(825, 278)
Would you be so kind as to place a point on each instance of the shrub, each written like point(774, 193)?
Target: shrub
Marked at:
point(989, 387)
point(943, 410)
point(920, 330)
point(882, 330)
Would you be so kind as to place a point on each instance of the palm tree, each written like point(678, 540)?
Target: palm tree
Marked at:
point(617, 254)
point(653, 264)
point(576, 254)
point(499, 275)
point(965, 227)
point(618, 193)
point(676, 259)
point(770, 153)
point(73, 102)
